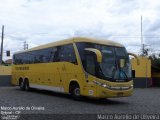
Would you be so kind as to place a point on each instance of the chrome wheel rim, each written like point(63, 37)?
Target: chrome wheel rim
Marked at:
point(77, 92)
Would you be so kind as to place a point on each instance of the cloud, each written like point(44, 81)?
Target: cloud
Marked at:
point(44, 21)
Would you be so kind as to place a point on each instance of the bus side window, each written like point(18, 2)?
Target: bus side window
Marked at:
point(52, 53)
point(68, 54)
point(57, 54)
point(72, 55)
point(20, 59)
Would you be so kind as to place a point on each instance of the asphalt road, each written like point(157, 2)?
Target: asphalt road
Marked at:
point(43, 104)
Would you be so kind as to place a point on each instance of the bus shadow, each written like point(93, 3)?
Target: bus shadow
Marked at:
point(46, 92)
point(103, 101)
point(83, 99)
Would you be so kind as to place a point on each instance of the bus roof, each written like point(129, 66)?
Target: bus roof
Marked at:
point(74, 40)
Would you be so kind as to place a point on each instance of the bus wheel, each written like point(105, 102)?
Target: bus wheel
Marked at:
point(21, 84)
point(27, 88)
point(76, 92)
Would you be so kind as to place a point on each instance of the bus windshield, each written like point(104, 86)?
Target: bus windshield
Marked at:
point(110, 65)
point(109, 68)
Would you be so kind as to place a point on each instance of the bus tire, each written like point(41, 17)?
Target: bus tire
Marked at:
point(21, 84)
point(27, 88)
point(75, 91)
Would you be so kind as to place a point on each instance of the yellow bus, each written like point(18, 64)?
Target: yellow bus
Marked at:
point(78, 66)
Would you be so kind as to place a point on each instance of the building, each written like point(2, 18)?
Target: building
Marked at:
point(142, 72)
point(155, 76)
point(5, 74)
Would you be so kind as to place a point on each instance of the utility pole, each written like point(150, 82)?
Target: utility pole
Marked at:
point(25, 45)
point(142, 44)
point(1, 58)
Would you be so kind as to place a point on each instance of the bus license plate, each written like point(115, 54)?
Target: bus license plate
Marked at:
point(120, 94)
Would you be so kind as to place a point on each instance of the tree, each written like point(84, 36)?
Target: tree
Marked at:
point(155, 60)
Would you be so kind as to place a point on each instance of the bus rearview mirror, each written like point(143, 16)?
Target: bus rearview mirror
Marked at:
point(122, 62)
point(97, 53)
point(136, 57)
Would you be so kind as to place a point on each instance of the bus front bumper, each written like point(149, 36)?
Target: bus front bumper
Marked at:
point(106, 93)
point(119, 90)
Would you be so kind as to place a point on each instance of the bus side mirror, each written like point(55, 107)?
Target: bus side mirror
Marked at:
point(97, 53)
point(122, 63)
point(134, 55)
point(133, 74)
point(8, 53)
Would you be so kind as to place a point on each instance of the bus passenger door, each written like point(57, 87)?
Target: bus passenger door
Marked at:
point(67, 63)
point(63, 76)
point(61, 56)
point(90, 68)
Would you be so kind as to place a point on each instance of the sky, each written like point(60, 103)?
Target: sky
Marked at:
point(42, 21)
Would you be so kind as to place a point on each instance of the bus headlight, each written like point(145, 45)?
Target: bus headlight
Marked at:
point(101, 84)
point(98, 83)
point(113, 87)
point(104, 85)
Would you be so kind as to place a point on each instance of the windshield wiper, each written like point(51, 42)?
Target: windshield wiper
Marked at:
point(124, 74)
point(102, 74)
